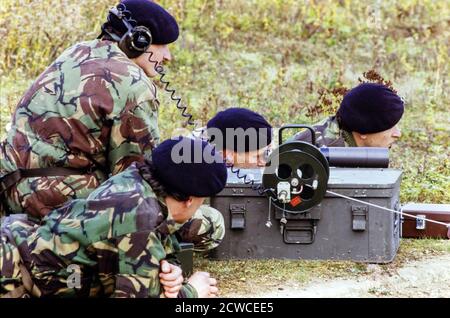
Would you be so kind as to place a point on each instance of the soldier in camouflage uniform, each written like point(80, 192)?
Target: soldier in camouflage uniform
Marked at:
point(328, 133)
point(93, 110)
point(367, 117)
point(115, 239)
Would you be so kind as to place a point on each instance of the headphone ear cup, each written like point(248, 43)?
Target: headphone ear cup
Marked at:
point(126, 47)
point(136, 42)
point(141, 38)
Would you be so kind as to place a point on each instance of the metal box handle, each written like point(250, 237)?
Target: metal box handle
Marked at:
point(300, 234)
point(311, 129)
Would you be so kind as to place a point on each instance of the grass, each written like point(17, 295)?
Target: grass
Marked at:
point(244, 275)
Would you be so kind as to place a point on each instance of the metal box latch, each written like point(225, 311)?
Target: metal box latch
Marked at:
point(359, 217)
point(420, 222)
point(237, 216)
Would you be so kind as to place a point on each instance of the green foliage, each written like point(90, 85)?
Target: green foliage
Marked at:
point(275, 57)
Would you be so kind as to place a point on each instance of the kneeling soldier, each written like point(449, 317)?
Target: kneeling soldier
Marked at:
point(89, 115)
point(113, 242)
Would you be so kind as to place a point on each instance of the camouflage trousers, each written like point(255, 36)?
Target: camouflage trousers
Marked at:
point(10, 258)
point(205, 230)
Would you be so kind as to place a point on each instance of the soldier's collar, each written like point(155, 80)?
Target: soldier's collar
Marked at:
point(168, 226)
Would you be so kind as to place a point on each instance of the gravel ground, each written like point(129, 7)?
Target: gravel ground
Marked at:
point(428, 277)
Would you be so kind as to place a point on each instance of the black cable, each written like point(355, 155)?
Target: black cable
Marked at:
point(254, 187)
point(160, 70)
point(128, 20)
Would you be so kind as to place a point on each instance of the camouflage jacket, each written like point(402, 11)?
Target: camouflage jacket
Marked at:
point(115, 239)
point(328, 134)
point(92, 108)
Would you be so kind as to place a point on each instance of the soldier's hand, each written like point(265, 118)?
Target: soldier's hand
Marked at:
point(171, 278)
point(213, 290)
point(204, 284)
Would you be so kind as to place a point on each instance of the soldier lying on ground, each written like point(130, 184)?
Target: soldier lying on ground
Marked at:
point(367, 117)
point(115, 239)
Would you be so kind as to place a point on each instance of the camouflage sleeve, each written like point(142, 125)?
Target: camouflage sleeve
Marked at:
point(134, 133)
point(187, 291)
point(139, 256)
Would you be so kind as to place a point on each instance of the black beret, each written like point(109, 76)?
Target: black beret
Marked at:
point(370, 108)
point(162, 25)
point(191, 167)
point(233, 118)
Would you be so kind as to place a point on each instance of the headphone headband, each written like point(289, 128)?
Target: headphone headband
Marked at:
point(136, 40)
point(120, 14)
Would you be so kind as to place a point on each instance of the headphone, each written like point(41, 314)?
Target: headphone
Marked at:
point(136, 40)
